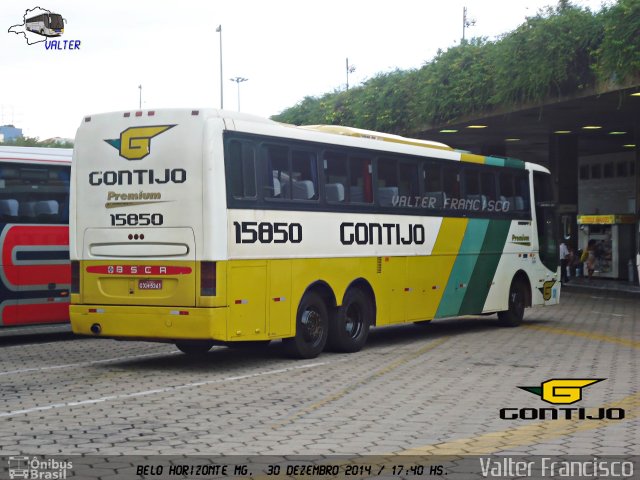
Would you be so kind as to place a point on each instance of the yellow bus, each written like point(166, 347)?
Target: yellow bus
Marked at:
point(200, 227)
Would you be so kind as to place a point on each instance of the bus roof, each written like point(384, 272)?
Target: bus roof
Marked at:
point(238, 121)
point(385, 137)
point(36, 155)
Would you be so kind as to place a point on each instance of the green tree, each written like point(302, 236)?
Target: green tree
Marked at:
point(619, 52)
point(560, 51)
point(36, 142)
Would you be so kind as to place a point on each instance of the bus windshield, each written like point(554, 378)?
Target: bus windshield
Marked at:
point(55, 21)
point(545, 209)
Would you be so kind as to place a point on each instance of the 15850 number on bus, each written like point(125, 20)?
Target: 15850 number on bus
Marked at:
point(267, 232)
point(136, 219)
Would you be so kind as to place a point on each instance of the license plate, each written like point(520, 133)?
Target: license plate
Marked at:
point(149, 284)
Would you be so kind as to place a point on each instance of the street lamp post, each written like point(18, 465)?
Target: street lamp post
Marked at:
point(219, 30)
point(350, 69)
point(140, 99)
point(466, 22)
point(238, 81)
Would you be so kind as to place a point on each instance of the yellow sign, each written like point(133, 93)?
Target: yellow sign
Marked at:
point(606, 219)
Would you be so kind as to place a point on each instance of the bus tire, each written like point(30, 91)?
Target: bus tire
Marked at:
point(349, 327)
point(194, 347)
point(312, 328)
point(512, 317)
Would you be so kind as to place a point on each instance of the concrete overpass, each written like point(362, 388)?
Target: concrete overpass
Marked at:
point(590, 142)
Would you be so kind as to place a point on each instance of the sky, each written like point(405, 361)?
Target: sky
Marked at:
point(286, 49)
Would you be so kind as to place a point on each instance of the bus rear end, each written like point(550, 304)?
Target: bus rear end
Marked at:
point(136, 223)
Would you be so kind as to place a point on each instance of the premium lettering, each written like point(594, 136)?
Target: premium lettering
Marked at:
point(134, 196)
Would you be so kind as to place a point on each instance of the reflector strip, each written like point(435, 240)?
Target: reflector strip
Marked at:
point(96, 310)
point(138, 270)
point(241, 302)
point(178, 312)
point(279, 299)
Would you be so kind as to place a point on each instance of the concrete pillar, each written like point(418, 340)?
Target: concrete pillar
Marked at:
point(563, 164)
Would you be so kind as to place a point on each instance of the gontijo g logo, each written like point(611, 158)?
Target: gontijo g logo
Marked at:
point(135, 142)
point(562, 391)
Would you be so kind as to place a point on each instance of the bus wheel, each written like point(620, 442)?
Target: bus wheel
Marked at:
point(312, 328)
point(514, 315)
point(194, 347)
point(349, 327)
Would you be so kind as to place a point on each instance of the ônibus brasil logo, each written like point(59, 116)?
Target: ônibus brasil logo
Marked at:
point(135, 142)
point(562, 391)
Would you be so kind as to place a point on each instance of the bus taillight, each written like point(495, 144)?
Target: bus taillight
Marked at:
point(208, 279)
point(75, 276)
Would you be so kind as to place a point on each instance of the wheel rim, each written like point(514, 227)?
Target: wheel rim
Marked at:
point(312, 328)
point(354, 320)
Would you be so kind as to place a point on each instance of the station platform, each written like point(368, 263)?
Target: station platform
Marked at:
point(601, 284)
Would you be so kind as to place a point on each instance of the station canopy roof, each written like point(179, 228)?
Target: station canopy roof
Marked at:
point(603, 123)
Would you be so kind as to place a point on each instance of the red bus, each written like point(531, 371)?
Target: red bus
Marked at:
point(35, 273)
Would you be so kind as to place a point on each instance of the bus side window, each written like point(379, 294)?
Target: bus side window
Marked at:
point(506, 192)
point(360, 180)
point(335, 176)
point(433, 186)
point(9, 210)
point(472, 192)
point(242, 169)
point(47, 211)
point(522, 192)
point(408, 179)
point(387, 182)
point(488, 185)
point(451, 182)
point(304, 181)
point(278, 172)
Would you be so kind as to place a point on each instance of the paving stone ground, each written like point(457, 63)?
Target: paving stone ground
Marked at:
point(434, 389)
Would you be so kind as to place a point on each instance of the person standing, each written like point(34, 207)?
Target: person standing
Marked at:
point(564, 262)
point(590, 254)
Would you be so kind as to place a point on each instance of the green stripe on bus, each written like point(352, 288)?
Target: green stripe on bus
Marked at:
point(496, 162)
point(486, 266)
point(463, 268)
point(513, 163)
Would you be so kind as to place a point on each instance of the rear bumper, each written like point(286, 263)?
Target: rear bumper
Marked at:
point(150, 323)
